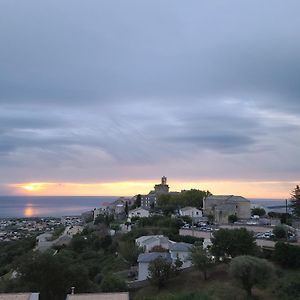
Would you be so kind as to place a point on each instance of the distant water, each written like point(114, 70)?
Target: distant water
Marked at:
point(268, 202)
point(26, 206)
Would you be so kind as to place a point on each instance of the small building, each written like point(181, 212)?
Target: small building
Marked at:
point(148, 242)
point(183, 252)
point(222, 206)
point(99, 296)
point(191, 212)
point(139, 212)
point(144, 261)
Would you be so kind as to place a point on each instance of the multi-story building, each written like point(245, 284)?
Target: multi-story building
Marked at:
point(150, 200)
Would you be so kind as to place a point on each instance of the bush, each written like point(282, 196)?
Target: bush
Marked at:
point(287, 255)
point(288, 287)
point(258, 211)
point(112, 283)
point(280, 232)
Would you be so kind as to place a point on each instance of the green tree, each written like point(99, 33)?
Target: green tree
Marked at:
point(250, 271)
point(280, 231)
point(201, 260)
point(112, 283)
point(51, 276)
point(126, 208)
point(233, 242)
point(258, 211)
point(177, 264)
point(160, 270)
point(232, 218)
point(295, 201)
point(130, 251)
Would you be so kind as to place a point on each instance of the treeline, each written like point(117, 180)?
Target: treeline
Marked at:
point(170, 202)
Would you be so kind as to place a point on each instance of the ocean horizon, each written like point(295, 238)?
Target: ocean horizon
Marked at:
point(57, 206)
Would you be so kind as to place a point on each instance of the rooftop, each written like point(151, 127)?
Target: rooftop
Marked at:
point(148, 257)
point(99, 296)
point(20, 296)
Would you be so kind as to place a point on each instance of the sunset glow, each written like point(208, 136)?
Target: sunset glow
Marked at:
point(263, 189)
point(32, 187)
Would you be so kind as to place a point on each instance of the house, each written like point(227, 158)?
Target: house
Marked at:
point(139, 212)
point(99, 296)
point(20, 296)
point(222, 206)
point(183, 252)
point(192, 212)
point(145, 259)
point(151, 241)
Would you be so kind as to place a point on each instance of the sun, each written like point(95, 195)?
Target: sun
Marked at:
point(33, 187)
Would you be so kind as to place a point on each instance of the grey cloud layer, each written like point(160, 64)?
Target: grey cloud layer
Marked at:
point(134, 89)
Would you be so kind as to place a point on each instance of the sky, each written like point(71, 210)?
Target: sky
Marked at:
point(105, 97)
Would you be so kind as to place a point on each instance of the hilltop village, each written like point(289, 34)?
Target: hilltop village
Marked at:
point(162, 245)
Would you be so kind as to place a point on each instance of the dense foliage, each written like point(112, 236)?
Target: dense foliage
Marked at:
point(287, 255)
point(231, 243)
point(83, 264)
point(172, 202)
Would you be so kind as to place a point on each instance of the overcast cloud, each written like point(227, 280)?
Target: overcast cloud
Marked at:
point(93, 91)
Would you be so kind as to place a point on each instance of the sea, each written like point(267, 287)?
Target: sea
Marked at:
point(49, 206)
point(57, 206)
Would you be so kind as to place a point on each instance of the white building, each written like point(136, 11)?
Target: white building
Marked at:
point(192, 212)
point(148, 242)
point(145, 259)
point(139, 212)
point(183, 252)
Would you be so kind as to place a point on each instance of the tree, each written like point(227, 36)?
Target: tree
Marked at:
point(233, 242)
point(201, 260)
point(51, 275)
point(160, 270)
point(177, 264)
point(130, 251)
point(295, 201)
point(232, 218)
point(138, 201)
point(250, 271)
point(126, 208)
point(112, 283)
point(280, 231)
point(258, 211)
